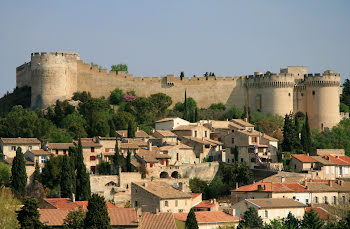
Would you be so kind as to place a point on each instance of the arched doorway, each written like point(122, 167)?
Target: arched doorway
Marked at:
point(164, 175)
point(175, 174)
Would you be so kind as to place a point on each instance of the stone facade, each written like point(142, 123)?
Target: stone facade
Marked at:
point(59, 74)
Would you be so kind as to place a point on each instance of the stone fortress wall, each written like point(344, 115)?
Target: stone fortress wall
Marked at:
point(59, 74)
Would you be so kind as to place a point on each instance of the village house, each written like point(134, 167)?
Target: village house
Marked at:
point(37, 156)
point(193, 130)
point(210, 205)
point(58, 148)
point(157, 196)
point(164, 137)
point(139, 134)
point(209, 219)
point(8, 146)
point(179, 153)
point(271, 208)
point(170, 123)
point(92, 154)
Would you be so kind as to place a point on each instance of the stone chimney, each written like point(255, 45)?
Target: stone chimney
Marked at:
point(283, 179)
point(139, 217)
point(149, 145)
point(237, 186)
point(157, 211)
point(73, 197)
point(330, 183)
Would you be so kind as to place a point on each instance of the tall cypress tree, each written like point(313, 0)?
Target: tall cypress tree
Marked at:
point(311, 220)
point(290, 140)
point(97, 213)
point(19, 174)
point(66, 178)
point(128, 161)
point(116, 157)
point(36, 174)
point(185, 114)
point(196, 115)
point(191, 221)
point(83, 190)
point(131, 130)
point(306, 136)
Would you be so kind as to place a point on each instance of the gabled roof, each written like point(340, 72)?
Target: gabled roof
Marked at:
point(339, 159)
point(204, 141)
point(205, 204)
point(88, 144)
point(162, 190)
point(9, 161)
point(167, 119)
point(322, 213)
point(323, 161)
point(303, 158)
point(271, 187)
point(208, 217)
point(269, 138)
point(276, 203)
point(68, 204)
point(151, 156)
point(59, 145)
point(40, 152)
point(24, 141)
point(161, 220)
point(242, 123)
point(330, 151)
point(164, 133)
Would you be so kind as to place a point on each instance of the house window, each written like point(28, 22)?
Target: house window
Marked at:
point(92, 158)
point(56, 151)
point(254, 139)
point(232, 140)
point(344, 199)
point(266, 214)
point(29, 147)
point(260, 150)
point(166, 204)
point(136, 203)
point(316, 200)
point(313, 92)
point(176, 203)
point(241, 159)
point(325, 199)
point(252, 160)
point(151, 165)
point(195, 133)
point(205, 134)
point(13, 148)
point(64, 152)
point(43, 159)
point(307, 201)
point(162, 161)
point(92, 168)
point(334, 200)
point(92, 149)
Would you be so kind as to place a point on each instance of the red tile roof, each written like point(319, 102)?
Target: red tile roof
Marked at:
point(205, 204)
point(322, 213)
point(20, 141)
point(272, 187)
point(303, 158)
point(195, 195)
point(208, 217)
point(339, 159)
point(53, 217)
point(68, 204)
point(160, 220)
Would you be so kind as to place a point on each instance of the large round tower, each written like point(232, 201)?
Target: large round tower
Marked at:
point(53, 77)
point(322, 99)
point(271, 93)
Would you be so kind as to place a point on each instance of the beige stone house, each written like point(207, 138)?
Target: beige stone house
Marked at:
point(302, 163)
point(271, 208)
point(40, 156)
point(139, 134)
point(59, 148)
point(165, 137)
point(8, 146)
point(170, 123)
point(92, 154)
point(209, 219)
point(157, 196)
point(179, 153)
point(193, 130)
point(205, 149)
point(30, 167)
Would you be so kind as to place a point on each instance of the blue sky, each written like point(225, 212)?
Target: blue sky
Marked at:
point(156, 38)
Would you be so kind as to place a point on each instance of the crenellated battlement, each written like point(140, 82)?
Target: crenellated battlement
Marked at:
point(270, 80)
point(328, 79)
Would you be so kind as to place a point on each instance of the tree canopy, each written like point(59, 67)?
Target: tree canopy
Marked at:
point(119, 67)
point(97, 214)
point(19, 173)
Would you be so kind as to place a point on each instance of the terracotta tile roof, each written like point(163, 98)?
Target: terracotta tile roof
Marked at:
point(250, 133)
point(275, 203)
point(162, 190)
point(195, 195)
point(288, 176)
point(272, 187)
point(123, 216)
point(9, 161)
point(88, 144)
point(235, 126)
point(151, 156)
point(205, 204)
point(135, 141)
point(242, 123)
point(303, 158)
point(164, 133)
point(68, 204)
point(208, 217)
point(20, 141)
point(269, 138)
point(141, 134)
point(322, 213)
point(59, 145)
point(339, 159)
point(330, 151)
point(178, 146)
point(160, 220)
point(167, 119)
point(128, 146)
point(185, 127)
point(323, 160)
point(204, 141)
point(53, 217)
point(84, 204)
point(118, 216)
point(40, 152)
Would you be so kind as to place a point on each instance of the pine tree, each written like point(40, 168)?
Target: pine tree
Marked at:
point(250, 219)
point(128, 161)
point(97, 213)
point(83, 191)
point(191, 221)
point(66, 178)
point(306, 136)
point(28, 216)
point(116, 157)
point(291, 222)
point(185, 114)
point(131, 130)
point(182, 75)
point(311, 220)
point(36, 174)
point(19, 173)
point(290, 140)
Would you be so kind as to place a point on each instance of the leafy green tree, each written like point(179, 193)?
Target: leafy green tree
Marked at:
point(179, 107)
point(311, 220)
point(19, 173)
point(128, 162)
point(291, 142)
point(233, 113)
point(59, 135)
point(344, 108)
point(291, 222)
point(81, 96)
point(306, 136)
point(28, 216)
point(51, 173)
point(197, 185)
point(5, 174)
point(122, 120)
point(191, 221)
point(8, 219)
point(250, 219)
point(119, 67)
point(19, 96)
point(345, 98)
point(161, 103)
point(270, 124)
point(66, 178)
point(116, 96)
point(235, 173)
point(116, 157)
point(131, 129)
point(97, 214)
point(182, 75)
point(83, 191)
point(75, 219)
point(75, 124)
point(217, 106)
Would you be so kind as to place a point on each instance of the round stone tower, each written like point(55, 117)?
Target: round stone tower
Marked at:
point(271, 93)
point(53, 77)
point(322, 99)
